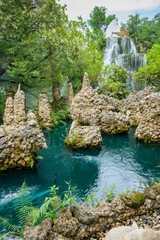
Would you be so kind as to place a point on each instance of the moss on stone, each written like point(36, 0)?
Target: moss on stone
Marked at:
point(134, 200)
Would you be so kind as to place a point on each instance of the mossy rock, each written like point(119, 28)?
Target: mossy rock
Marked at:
point(152, 191)
point(74, 143)
point(133, 200)
point(44, 91)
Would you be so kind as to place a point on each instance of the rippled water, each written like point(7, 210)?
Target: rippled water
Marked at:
point(122, 161)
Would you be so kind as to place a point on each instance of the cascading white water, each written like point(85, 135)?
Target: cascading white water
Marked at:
point(122, 52)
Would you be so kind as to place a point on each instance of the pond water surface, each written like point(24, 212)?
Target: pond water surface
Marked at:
point(122, 161)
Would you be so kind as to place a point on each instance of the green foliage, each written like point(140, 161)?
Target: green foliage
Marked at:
point(60, 116)
point(99, 23)
point(134, 199)
point(98, 19)
point(109, 194)
point(40, 47)
point(21, 204)
point(151, 72)
point(91, 199)
point(32, 162)
point(114, 81)
point(30, 216)
point(143, 31)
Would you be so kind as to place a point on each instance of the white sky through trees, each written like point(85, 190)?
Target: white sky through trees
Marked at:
point(122, 8)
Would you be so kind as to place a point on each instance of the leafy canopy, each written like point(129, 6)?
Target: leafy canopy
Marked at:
point(151, 72)
point(143, 31)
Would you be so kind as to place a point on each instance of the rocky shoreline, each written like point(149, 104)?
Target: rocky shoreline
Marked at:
point(85, 222)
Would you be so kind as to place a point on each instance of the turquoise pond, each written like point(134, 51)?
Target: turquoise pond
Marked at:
point(87, 169)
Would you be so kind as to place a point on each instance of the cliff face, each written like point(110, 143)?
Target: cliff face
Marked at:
point(20, 136)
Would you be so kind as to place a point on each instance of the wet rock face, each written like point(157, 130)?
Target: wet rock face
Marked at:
point(21, 138)
point(44, 110)
point(91, 111)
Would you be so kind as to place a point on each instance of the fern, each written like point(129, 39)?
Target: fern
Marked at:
point(59, 116)
point(48, 208)
point(17, 230)
point(4, 235)
point(22, 204)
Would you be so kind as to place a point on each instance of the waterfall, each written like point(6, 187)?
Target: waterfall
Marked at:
point(122, 52)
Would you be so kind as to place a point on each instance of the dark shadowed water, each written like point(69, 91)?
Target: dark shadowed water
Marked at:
point(122, 161)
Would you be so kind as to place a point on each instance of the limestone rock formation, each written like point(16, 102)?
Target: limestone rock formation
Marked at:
point(44, 110)
point(92, 114)
point(20, 136)
point(84, 136)
point(148, 129)
point(113, 122)
point(133, 105)
point(70, 95)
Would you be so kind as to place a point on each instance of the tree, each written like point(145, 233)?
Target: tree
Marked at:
point(99, 23)
point(114, 82)
point(31, 35)
point(144, 32)
point(98, 19)
point(40, 47)
point(151, 72)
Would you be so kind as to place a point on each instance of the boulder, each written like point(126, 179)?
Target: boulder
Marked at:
point(92, 114)
point(152, 191)
point(40, 232)
point(118, 205)
point(119, 232)
point(104, 209)
point(65, 224)
point(142, 234)
point(134, 200)
point(84, 213)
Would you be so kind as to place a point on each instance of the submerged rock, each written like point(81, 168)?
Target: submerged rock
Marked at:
point(20, 136)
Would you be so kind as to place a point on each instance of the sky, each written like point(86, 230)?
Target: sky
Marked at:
point(121, 8)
